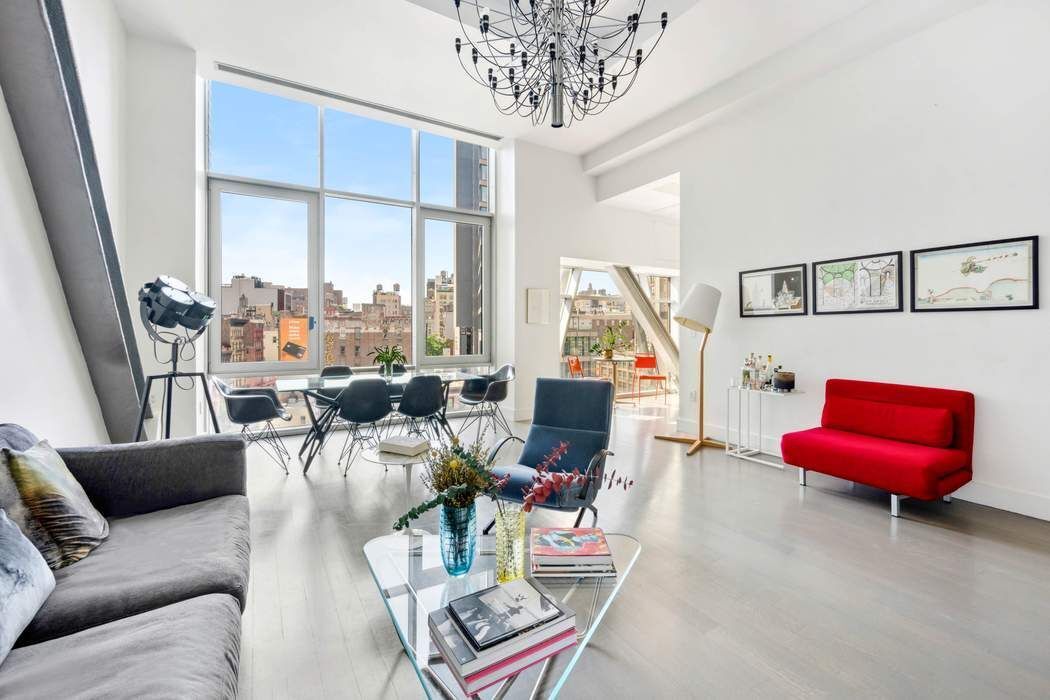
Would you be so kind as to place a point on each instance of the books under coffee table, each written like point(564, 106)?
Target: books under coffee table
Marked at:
point(412, 583)
point(493, 634)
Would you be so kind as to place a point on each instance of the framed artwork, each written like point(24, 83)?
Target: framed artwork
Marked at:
point(987, 276)
point(774, 291)
point(537, 305)
point(858, 285)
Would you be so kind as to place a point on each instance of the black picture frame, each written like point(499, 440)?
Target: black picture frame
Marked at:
point(804, 292)
point(1033, 240)
point(899, 254)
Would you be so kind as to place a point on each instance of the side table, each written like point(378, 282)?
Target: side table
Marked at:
point(742, 446)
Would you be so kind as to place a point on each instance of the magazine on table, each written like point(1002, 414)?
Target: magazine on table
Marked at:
point(501, 612)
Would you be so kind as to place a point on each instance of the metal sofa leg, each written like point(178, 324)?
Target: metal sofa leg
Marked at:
point(579, 516)
point(801, 476)
point(947, 498)
point(895, 505)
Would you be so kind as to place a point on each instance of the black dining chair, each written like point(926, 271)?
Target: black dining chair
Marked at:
point(363, 403)
point(327, 398)
point(578, 414)
point(251, 406)
point(484, 396)
point(421, 406)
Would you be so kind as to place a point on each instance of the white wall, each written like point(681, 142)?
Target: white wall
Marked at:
point(44, 382)
point(555, 215)
point(940, 138)
point(99, 49)
point(162, 157)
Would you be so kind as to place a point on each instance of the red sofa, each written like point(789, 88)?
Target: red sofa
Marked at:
point(912, 441)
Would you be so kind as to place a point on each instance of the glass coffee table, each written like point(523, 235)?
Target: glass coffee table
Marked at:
point(412, 582)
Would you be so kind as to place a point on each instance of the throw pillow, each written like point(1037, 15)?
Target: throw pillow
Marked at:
point(65, 526)
point(25, 583)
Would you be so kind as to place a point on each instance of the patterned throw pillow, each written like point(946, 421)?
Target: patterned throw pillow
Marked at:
point(25, 583)
point(61, 521)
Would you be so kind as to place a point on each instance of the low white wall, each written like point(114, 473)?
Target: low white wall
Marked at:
point(941, 138)
point(44, 382)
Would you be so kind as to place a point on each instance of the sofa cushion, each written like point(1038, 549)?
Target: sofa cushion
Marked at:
point(25, 583)
point(899, 467)
point(16, 437)
point(149, 561)
point(186, 650)
point(896, 421)
point(64, 525)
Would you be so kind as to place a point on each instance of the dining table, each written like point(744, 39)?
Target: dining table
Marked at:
point(325, 392)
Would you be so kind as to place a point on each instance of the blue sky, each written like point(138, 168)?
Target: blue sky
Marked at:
point(263, 136)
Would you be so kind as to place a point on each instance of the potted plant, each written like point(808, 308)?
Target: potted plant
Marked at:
point(610, 340)
point(388, 356)
point(456, 475)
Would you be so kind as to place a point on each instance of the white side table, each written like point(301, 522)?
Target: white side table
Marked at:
point(742, 447)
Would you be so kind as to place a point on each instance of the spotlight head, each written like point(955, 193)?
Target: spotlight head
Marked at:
point(168, 302)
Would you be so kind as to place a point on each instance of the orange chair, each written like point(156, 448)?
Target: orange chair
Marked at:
point(575, 366)
point(645, 370)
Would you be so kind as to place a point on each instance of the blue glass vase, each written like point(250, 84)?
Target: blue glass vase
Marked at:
point(459, 536)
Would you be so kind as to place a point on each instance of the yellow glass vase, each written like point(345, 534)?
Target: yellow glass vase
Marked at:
point(510, 542)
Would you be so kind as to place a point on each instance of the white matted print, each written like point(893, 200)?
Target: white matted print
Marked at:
point(537, 306)
point(858, 284)
point(989, 275)
point(774, 291)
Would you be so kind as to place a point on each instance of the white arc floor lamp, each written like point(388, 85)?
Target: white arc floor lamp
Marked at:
point(697, 313)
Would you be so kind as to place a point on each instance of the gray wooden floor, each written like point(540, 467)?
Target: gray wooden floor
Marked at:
point(747, 586)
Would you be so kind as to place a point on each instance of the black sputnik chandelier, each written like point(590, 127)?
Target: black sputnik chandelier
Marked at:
point(565, 58)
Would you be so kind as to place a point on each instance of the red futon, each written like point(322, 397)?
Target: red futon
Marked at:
point(912, 441)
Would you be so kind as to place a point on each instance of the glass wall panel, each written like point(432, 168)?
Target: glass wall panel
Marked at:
point(257, 135)
point(368, 280)
point(453, 305)
point(367, 156)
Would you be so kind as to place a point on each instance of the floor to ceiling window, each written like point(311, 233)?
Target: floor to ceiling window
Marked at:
point(331, 233)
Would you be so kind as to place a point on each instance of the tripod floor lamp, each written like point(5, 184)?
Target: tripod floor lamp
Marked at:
point(697, 313)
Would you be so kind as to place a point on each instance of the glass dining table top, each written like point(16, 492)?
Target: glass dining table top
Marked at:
point(316, 381)
point(412, 582)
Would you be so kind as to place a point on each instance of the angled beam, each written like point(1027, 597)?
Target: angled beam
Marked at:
point(40, 84)
point(638, 303)
point(570, 285)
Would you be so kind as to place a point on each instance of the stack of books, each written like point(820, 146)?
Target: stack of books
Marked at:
point(570, 553)
point(404, 445)
point(493, 634)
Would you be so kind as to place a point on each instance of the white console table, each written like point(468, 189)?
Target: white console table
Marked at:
point(742, 447)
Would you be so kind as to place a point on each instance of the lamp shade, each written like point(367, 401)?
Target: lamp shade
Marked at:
point(697, 311)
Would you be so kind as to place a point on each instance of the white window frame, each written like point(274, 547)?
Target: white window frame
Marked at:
point(421, 212)
point(218, 186)
point(419, 325)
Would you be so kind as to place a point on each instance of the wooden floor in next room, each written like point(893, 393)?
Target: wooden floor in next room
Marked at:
point(748, 585)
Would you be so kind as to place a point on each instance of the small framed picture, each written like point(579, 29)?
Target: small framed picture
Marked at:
point(774, 291)
point(986, 276)
point(860, 284)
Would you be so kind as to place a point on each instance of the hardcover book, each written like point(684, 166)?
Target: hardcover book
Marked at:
point(406, 445)
point(564, 546)
point(502, 612)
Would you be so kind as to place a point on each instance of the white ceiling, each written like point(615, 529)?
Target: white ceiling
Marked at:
point(399, 53)
point(658, 198)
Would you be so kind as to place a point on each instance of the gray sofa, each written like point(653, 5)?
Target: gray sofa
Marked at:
point(155, 611)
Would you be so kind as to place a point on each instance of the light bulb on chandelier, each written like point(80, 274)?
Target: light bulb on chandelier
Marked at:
point(564, 58)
